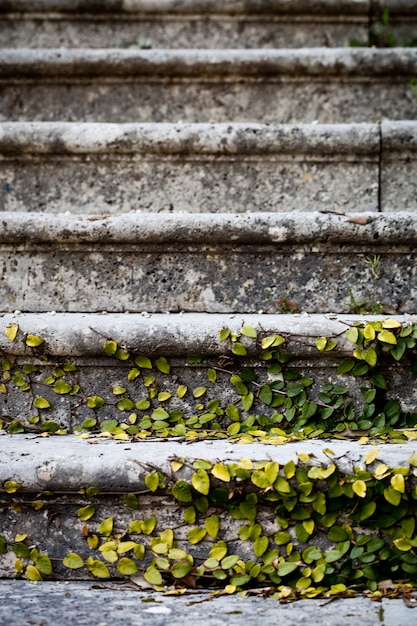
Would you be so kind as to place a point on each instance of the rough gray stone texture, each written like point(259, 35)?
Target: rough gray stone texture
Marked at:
point(112, 168)
point(117, 605)
point(275, 86)
point(184, 24)
point(399, 144)
point(206, 263)
point(79, 338)
point(65, 465)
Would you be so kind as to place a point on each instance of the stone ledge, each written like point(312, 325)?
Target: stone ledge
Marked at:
point(83, 334)
point(223, 140)
point(297, 227)
point(65, 463)
point(394, 64)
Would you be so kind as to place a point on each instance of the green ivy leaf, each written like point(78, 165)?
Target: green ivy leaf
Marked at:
point(41, 403)
point(201, 482)
point(195, 535)
point(32, 573)
point(260, 546)
point(73, 561)
point(359, 487)
point(106, 527)
point(239, 349)
point(182, 491)
point(33, 341)
point(152, 481)
point(212, 375)
point(11, 331)
point(398, 483)
point(247, 401)
point(248, 331)
point(321, 343)
point(43, 563)
point(125, 404)
point(163, 365)
point(86, 512)
point(10, 486)
point(61, 387)
point(387, 337)
point(127, 567)
point(179, 570)
point(352, 334)
point(212, 525)
point(110, 348)
point(221, 472)
point(95, 402)
point(143, 362)
point(286, 568)
point(98, 569)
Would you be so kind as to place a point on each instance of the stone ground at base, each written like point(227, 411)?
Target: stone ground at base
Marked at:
point(83, 603)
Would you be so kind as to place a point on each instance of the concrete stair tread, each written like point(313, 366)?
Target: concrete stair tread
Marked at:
point(181, 334)
point(278, 85)
point(117, 603)
point(67, 463)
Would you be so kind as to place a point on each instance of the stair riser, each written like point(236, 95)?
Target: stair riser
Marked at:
point(287, 86)
point(83, 185)
point(99, 377)
point(215, 279)
point(267, 31)
point(267, 101)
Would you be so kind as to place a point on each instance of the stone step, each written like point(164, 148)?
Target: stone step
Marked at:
point(112, 168)
point(275, 86)
point(45, 510)
point(197, 24)
point(205, 24)
point(215, 263)
point(74, 364)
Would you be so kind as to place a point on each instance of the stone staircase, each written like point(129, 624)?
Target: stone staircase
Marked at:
point(198, 199)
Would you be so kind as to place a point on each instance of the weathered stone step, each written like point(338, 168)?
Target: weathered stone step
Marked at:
point(72, 353)
point(189, 24)
point(290, 86)
point(44, 505)
point(111, 168)
point(214, 263)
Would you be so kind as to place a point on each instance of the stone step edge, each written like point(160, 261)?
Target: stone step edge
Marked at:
point(296, 227)
point(64, 463)
point(83, 334)
point(249, 64)
point(193, 140)
point(205, 7)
